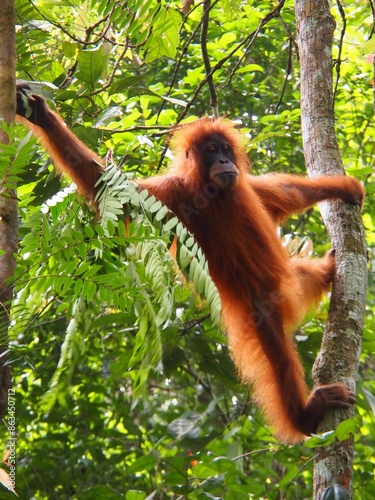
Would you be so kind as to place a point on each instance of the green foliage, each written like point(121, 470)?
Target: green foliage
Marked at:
point(149, 214)
point(13, 159)
point(124, 384)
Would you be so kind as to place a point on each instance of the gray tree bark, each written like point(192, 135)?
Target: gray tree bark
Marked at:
point(339, 355)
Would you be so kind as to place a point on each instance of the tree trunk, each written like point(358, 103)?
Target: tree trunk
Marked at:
point(8, 203)
point(339, 355)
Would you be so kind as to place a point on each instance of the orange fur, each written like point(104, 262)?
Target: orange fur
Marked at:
point(264, 293)
point(80, 163)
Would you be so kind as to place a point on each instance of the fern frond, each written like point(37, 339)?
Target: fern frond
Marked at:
point(117, 190)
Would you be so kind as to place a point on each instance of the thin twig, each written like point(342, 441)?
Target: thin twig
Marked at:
point(206, 59)
point(271, 15)
point(288, 32)
point(341, 42)
point(180, 60)
point(372, 6)
point(252, 37)
point(371, 34)
point(113, 73)
point(288, 72)
point(88, 31)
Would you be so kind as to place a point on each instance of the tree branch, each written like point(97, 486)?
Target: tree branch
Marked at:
point(342, 35)
point(273, 13)
point(206, 59)
point(339, 356)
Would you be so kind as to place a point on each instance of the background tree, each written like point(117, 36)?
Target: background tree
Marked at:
point(124, 384)
point(8, 203)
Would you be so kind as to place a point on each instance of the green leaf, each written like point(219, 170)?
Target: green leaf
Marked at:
point(91, 65)
point(346, 429)
point(142, 463)
point(165, 36)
